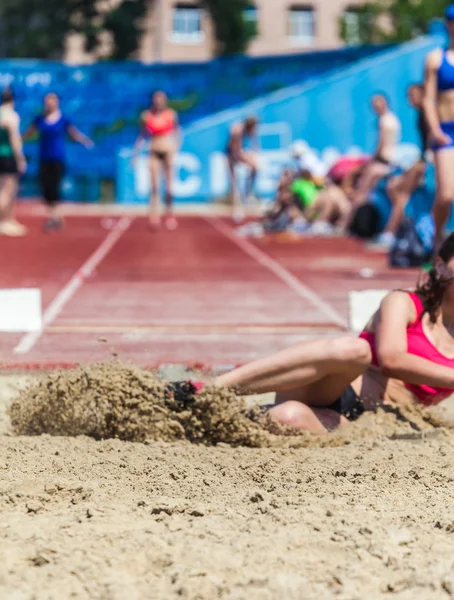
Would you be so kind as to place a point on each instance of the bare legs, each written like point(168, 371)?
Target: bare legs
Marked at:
point(250, 160)
point(444, 160)
point(8, 193)
point(308, 378)
point(400, 189)
point(166, 163)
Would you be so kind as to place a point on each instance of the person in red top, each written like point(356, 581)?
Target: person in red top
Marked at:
point(161, 123)
point(405, 355)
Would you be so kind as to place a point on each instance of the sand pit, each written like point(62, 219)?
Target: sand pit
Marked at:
point(236, 512)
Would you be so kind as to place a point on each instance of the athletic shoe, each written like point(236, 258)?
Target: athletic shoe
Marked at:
point(382, 242)
point(238, 215)
point(321, 228)
point(154, 223)
point(13, 229)
point(184, 392)
point(53, 224)
point(170, 222)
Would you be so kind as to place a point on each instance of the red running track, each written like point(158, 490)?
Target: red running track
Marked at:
point(199, 295)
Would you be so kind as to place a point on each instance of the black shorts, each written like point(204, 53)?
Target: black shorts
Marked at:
point(8, 165)
point(160, 155)
point(349, 404)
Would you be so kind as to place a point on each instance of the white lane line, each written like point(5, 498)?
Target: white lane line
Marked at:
point(281, 273)
point(67, 292)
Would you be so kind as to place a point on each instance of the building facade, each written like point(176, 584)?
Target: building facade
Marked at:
point(181, 31)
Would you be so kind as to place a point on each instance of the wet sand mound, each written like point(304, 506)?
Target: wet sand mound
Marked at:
point(113, 400)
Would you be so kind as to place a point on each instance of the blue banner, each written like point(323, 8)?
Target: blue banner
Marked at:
point(333, 116)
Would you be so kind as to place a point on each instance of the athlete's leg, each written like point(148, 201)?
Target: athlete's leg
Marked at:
point(444, 160)
point(400, 189)
point(369, 178)
point(251, 161)
point(237, 207)
point(296, 368)
point(8, 191)
point(168, 161)
point(155, 201)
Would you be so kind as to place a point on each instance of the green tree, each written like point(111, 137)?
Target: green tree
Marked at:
point(391, 20)
point(38, 29)
point(232, 30)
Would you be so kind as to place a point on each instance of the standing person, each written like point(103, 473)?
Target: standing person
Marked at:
point(161, 123)
point(401, 187)
point(240, 134)
point(12, 164)
point(381, 165)
point(439, 110)
point(52, 127)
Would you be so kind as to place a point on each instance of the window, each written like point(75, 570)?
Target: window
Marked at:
point(351, 27)
point(250, 15)
point(301, 25)
point(187, 24)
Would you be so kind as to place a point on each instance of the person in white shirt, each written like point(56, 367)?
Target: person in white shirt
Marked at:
point(383, 161)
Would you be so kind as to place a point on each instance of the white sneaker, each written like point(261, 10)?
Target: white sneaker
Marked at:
point(238, 215)
point(382, 242)
point(321, 228)
point(13, 229)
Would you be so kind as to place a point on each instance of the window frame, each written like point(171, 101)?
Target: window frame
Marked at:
point(184, 13)
point(296, 11)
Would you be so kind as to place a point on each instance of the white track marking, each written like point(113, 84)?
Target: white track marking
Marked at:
point(65, 294)
point(281, 273)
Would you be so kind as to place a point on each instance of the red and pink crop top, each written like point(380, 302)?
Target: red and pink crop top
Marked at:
point(419, 344)
point(160, 123)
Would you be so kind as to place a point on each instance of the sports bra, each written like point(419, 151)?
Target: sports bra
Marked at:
point(445, 74)
point(160, 123)
point(418, 344)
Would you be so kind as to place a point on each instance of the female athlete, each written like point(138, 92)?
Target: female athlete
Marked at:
point(405, 355)
point(161, 123)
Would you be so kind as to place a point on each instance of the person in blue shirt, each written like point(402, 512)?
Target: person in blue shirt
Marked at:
point(53, 127)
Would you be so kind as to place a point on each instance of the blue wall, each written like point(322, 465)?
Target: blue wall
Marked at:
point(333, 115)
point(106, 99)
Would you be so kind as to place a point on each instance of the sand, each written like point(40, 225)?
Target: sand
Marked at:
point(223, 508)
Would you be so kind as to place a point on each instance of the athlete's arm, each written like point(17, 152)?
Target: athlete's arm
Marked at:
point(430, 98)
point(178, 131)
point(140, 138)
point(30, 132)
point(79, 137)
point(397, 311)
point(15, 139)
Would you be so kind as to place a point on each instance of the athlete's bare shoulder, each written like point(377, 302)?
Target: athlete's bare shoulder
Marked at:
point(236, 129)
point(434, 59)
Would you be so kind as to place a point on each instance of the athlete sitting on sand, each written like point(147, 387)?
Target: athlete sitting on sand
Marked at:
point(405, 355)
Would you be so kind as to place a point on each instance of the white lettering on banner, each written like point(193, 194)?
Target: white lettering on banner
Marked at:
point(271, 164)
point(218, 174)
point(6, 79)
point(208, 176)
point(38, 78)
point(185, 187)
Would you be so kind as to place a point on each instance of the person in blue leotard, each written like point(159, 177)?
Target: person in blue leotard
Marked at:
point(53, 127)
point(439, 110)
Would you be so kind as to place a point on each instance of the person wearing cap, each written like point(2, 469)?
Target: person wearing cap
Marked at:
point(439, 109)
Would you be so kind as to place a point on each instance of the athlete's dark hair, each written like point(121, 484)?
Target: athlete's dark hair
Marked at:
point(7, 96)
point(432, 289)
